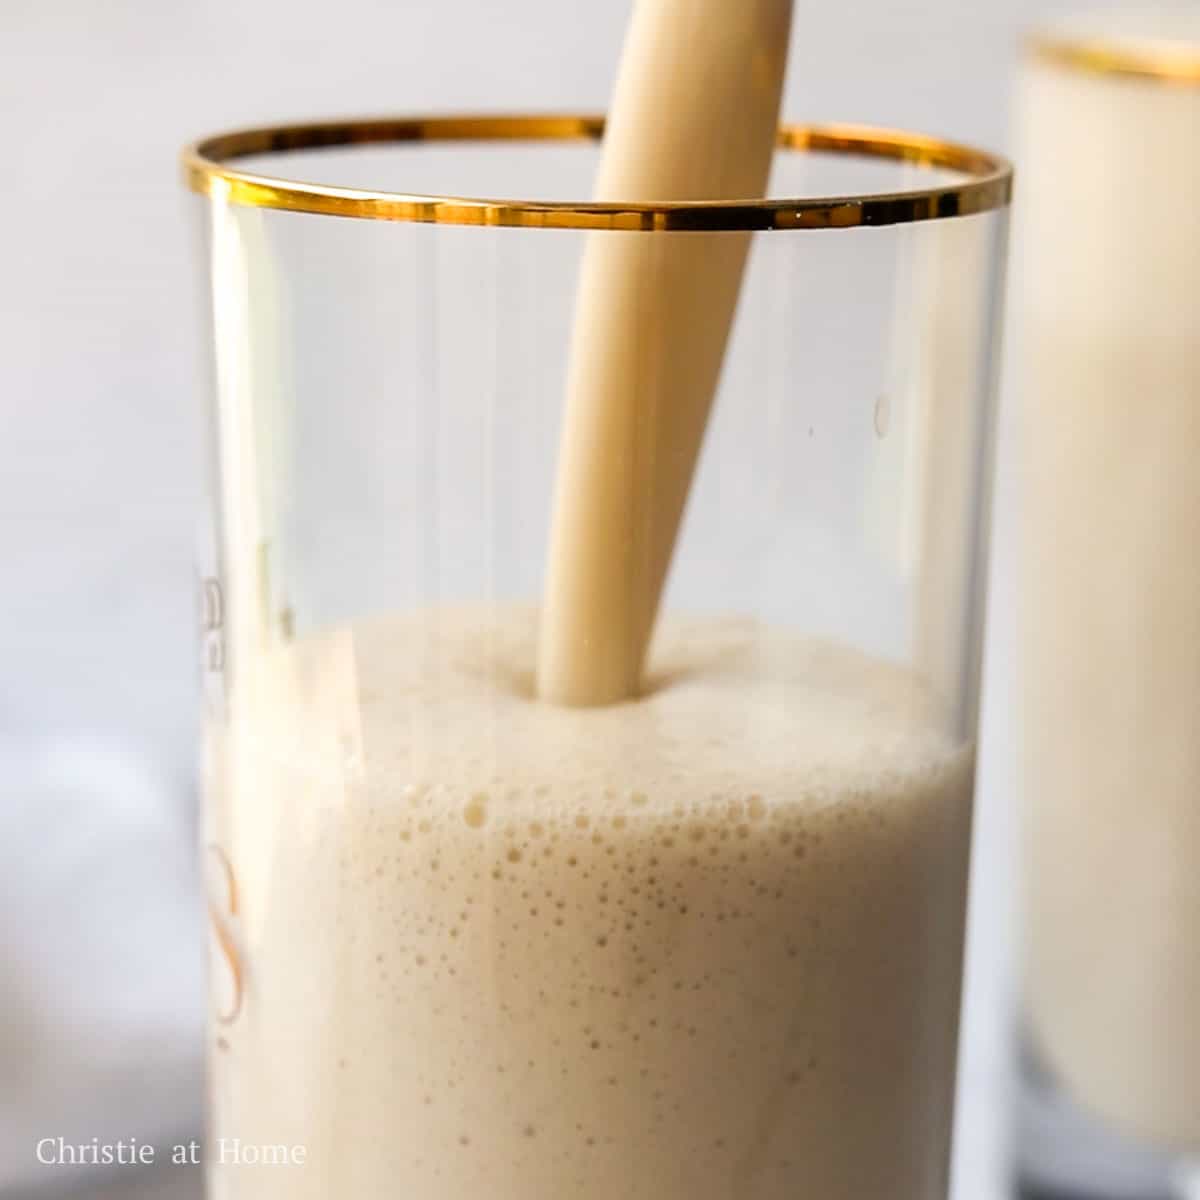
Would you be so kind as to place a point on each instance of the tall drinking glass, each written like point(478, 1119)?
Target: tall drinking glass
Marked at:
point(1110, 607)
point(704, 943)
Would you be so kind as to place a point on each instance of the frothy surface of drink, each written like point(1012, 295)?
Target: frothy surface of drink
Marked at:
point(702, 944)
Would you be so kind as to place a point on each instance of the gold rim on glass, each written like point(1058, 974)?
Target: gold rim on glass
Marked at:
point(987, 184)
point(1160, 62)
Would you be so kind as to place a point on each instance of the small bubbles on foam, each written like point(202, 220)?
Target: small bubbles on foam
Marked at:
point(476, 812)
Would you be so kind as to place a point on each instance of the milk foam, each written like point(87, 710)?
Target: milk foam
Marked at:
point(703, 944)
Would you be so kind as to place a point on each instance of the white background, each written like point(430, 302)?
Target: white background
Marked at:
point(98, 349)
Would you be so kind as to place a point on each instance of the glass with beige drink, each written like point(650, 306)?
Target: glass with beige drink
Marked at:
point(1109, 437)
point(702, 942)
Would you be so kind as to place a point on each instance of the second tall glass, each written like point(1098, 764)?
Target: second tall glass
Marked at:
point(1109, 601)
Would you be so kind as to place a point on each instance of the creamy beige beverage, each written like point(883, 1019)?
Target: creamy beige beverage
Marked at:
point(1110, 588)
point(651, 322)
point(703, 944)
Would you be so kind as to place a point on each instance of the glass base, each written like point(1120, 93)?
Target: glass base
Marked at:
point(1064, 1153)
